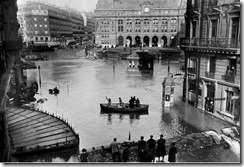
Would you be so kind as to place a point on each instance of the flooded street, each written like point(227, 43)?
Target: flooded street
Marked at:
point(84, 84)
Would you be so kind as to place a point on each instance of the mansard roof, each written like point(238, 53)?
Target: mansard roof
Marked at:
point(136, 4)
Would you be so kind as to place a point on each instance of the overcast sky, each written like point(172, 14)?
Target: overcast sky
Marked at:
point(86, 5)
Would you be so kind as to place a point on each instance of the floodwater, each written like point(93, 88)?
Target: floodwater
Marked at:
point(84, 84)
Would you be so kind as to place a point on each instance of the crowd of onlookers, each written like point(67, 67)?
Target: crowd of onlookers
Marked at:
point(147, 151)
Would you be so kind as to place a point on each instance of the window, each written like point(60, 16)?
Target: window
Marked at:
point(45, 19)
point(229, 101)
point(34, 19)
point(45, 25)
point(120, 25)
point(234, 32)
point(155, 21)
point(129, 21)
point(46, 32)
point(46, 38)
point(164, 28)
point(173, 21)
point(41, 38)
point(40, 25)
point(36, 38)
point(35, 25)
point(194, 26)
point(164, 21)
point(146, 21)
point(214, 28)
point(36, 32)
point(138, 21)
point(212, 65)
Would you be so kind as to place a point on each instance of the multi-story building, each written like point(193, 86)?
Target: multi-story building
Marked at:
point(90, 25)
point(126, 22)
point(47, 22)
point(78, 27)
point(212, 57)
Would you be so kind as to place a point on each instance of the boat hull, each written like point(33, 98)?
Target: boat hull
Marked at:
point(117, 108)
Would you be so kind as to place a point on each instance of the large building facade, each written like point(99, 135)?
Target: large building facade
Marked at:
point(138, 22)
point(47, 22)
point(212, 57)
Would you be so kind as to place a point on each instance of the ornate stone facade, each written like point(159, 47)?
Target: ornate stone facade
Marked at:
point(135, 22)
point(212, 57)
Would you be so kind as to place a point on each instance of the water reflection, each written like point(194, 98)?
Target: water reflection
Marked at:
point(121, 116)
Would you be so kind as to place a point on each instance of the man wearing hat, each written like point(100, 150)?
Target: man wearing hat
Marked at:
point(151, 144)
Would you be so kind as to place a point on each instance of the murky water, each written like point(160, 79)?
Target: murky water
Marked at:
point(84, 84)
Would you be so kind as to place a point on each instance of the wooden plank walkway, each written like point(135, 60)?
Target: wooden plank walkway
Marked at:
point(32, 130)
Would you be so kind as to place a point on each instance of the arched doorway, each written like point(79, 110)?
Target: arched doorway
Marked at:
point(163, 41)
point(137, 40)
point(128, 41)
point(146, 41)
point(155, 41)
point(120, 41)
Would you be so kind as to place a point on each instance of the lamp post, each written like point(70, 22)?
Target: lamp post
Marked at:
point(115, 23)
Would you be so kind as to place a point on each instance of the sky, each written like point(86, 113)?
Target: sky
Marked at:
point(81, 5)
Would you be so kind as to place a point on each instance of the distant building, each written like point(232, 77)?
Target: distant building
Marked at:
point(212, 57)
point(47, 22)
point(89, 25)
point(136, 22)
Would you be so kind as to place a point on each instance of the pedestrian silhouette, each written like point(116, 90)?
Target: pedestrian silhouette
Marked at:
point(141, 148)
point(161, 150)
point(115, 150)
point(172, 153)
point(84, 156)
point(126, 154)
point(151, 145)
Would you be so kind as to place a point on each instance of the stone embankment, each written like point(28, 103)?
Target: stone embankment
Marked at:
point(196, 147)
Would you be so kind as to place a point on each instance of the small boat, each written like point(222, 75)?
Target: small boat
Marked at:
point(116, 107)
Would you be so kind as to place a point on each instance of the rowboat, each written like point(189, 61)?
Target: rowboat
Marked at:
point(124, 108)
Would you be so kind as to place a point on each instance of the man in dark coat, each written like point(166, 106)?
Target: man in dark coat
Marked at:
point(151, 144)
point(126, 154)
point(161, 150)
point(141, 147)
point(172, 152)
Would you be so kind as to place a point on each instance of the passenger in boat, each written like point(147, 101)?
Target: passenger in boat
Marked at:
point(137, 102)
point(131, 102)
point(55, 90)
point(109, 101)
point(120, 101)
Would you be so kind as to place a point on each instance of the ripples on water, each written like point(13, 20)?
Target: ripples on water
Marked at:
point(84, 84)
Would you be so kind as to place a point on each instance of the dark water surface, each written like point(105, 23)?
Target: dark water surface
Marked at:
point(84, 84)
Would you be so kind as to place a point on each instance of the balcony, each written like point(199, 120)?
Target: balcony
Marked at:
point(229, 78)
point(209, 75)
point(192, 70)
point(211, 42)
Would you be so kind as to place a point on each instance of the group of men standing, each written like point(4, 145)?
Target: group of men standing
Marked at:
point(147, 152)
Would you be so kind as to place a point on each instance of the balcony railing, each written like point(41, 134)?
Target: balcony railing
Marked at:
point(209, 75)
point(211, 42)
point(229, 78)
